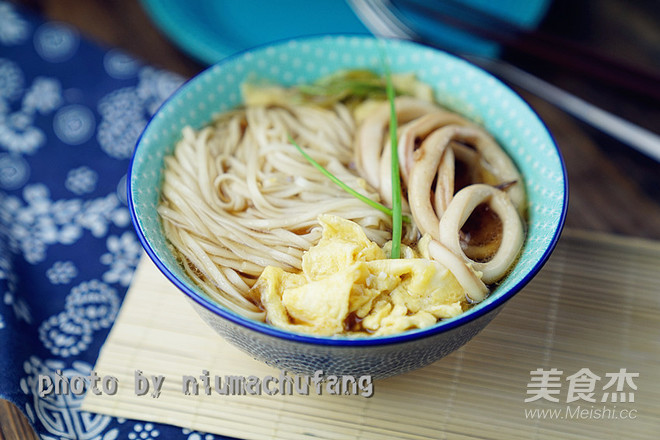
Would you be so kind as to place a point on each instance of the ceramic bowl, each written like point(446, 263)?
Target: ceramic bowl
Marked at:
point(459, 86)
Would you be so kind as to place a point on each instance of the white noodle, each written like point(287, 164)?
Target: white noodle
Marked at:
point(237, 196)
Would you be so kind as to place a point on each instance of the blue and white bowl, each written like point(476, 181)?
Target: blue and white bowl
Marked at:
point(459, 86)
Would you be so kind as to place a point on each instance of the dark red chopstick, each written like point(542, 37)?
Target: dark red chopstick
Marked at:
point(542, 46)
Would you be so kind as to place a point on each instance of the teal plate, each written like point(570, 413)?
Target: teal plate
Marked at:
point(210, 30)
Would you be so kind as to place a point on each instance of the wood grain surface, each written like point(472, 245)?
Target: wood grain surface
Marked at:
point(612, 188)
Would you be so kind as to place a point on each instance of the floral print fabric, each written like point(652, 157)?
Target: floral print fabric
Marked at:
point(70, 114)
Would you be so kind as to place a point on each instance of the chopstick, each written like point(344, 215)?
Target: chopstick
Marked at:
point(540, 45)
point(381, 20)
point(641, 139)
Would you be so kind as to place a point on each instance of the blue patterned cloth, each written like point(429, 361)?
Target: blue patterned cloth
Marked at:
point(70, 114)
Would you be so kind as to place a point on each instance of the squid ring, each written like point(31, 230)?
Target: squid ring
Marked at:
point(427, 161)
point(370, 137)
point(410, 133)
point(459, 210)
point(474, 288)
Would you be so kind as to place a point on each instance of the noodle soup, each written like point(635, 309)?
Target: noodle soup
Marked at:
point(457, 86)
point(265, 233)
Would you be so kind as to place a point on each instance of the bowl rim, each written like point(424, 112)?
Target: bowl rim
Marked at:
point(342, 340)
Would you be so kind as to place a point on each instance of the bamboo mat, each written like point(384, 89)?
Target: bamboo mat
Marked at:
point(595, 305)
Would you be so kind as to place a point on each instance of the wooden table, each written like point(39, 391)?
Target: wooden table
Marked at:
point(612, 188)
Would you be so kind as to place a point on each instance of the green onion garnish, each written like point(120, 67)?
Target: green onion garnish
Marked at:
point(342, 185)
point(344, 84)
point(396, 180)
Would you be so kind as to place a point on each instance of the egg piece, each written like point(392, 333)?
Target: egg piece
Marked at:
point(323, 305)
point(399, 320)
point(424, 285)
point(345, 274)
point(426, 291)
point(270, 285)
point(342, 243)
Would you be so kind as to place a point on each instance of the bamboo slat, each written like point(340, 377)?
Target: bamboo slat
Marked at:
point(594, 305)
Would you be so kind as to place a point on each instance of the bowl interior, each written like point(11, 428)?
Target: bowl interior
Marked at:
point(458, 85)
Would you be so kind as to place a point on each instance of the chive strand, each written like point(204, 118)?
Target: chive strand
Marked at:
point(397, 217)
point(341, 184)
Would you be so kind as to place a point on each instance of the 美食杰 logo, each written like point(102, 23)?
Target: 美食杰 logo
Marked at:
point(587, 394)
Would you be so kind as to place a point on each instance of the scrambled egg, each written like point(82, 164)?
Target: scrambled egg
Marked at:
point(348, 285)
